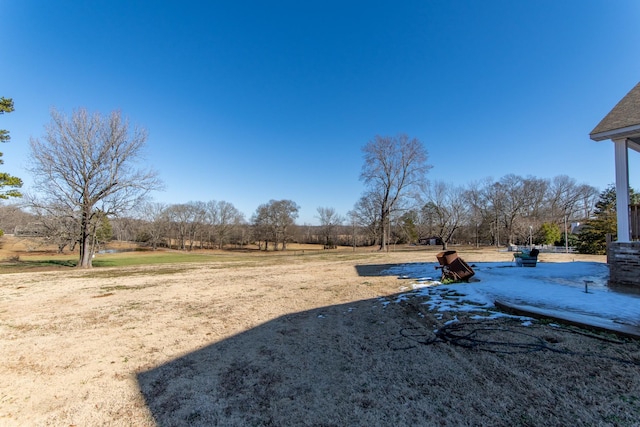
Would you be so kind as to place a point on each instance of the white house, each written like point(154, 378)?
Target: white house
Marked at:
point(622, 126)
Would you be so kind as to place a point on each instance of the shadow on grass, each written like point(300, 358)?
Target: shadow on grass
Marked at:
point(330, 366)
point(380, 362)
point(20, 266)
point(371, 270)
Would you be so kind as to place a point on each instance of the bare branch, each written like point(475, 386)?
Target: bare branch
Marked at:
point(86, 163)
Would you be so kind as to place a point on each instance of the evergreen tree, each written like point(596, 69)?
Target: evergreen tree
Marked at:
point(408, 227)
point(549, 233)
point(593, 237)
point(6, 180)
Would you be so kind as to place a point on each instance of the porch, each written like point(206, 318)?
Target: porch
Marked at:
point(634, 221)
point(622, 126)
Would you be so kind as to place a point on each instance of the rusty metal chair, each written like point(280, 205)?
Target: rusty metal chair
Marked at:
point(453, 267)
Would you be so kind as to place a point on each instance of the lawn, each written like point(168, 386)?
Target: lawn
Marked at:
point(322, 338)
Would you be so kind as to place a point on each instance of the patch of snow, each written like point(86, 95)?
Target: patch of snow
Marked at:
point(556, 286)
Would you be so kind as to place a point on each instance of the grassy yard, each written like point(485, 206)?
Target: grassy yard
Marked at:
point(302, 337)
point(14, 258)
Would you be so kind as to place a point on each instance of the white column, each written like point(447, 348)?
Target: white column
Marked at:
point(622, 189)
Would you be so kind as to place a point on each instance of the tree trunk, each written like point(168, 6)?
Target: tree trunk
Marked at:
point(383, 230)
point(85, 238)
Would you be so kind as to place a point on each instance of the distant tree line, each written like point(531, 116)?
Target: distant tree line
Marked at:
point(89, 191)
point(400, 205)
point(513, 210)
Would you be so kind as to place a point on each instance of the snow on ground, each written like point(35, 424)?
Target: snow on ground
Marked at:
point(554, 286)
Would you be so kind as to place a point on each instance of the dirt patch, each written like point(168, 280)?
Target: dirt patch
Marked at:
point(309, 341)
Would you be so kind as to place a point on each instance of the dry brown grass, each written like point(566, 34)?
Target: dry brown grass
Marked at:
point(310, 340)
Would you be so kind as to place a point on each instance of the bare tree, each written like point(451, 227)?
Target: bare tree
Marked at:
point(353, 228)
point(224, 218)
point(58, 223)
point(125, 228)
point(393, 166)
point(187, 219)
point(508, 201)
point(273, 221)
point(86, 163)
point(366, 214)
point(262, 227)
point(156, 218)
point(197, 226)
point(587, 201)
point(179, 217)
point(12, 217)
point(329, 223)
point(565, 198)
point(446, 209)
point(482, 216)
point(286, 213)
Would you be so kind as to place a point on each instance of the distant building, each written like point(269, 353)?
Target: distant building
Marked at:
point(432, 241)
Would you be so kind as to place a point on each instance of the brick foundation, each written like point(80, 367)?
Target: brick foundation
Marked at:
point(624, 264)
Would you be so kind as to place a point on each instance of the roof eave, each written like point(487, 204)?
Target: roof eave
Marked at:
point(626, 132)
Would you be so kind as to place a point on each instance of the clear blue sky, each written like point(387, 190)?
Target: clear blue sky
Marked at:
point(248, 101)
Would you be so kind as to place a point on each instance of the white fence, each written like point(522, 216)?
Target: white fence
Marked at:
point(544, 248)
